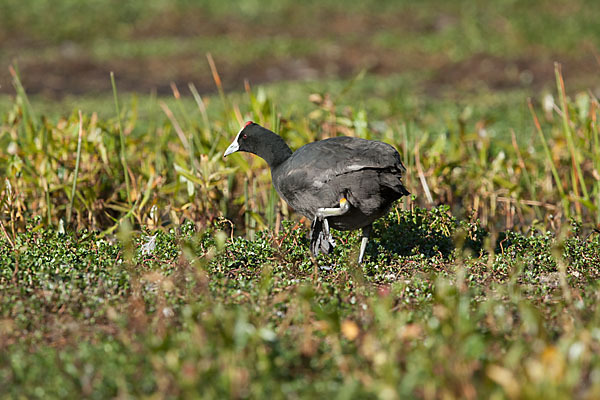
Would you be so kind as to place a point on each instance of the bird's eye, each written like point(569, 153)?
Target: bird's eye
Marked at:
point(245, 136)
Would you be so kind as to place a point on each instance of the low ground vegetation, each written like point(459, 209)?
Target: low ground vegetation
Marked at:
point(445, 311)
point(135, 261)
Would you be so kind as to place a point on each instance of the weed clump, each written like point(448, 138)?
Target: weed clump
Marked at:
point(201, 310)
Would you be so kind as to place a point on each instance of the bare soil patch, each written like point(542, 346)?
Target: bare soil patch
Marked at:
point(344, 45)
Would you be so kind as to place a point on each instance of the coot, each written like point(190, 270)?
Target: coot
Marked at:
point(342, 182)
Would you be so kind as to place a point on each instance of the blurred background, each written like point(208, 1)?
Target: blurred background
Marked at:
point(429, 48)
point(136, 262)
point(446, 82)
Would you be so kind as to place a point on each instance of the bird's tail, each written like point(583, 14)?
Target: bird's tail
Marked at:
point(404, 191)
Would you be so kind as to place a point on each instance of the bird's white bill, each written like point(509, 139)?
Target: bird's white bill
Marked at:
point(233, 147)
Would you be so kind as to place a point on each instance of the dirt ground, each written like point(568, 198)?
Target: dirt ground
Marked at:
point(72, 70)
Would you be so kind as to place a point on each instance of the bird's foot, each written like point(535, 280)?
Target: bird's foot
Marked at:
point(320, 237)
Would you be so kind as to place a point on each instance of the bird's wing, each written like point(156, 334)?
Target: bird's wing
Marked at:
point(317, 163)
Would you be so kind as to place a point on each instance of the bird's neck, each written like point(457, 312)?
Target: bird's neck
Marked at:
point(276, 152)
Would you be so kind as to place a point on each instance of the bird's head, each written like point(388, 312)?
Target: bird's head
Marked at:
point(255, 139)
point(248, 139)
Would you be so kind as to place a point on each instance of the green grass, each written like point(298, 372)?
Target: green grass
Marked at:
point(198, 313)
point(506, 45)
point(152, 292)
point(469, 27)
point(465, 152)
point(383, 99)
point(137, 262)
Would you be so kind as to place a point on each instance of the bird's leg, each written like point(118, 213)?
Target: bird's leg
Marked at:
point(366, 232)
point(324, 213)
point(326, 233)
point(320, 236)
point(320, 239)
point(334, 211)
point(316, 236)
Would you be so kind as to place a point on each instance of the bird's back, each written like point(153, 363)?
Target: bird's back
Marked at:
point(368, 173)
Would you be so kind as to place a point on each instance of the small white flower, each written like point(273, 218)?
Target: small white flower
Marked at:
point(150, 244)
point(8, 186)
point(153, 211)
point(576, 350)
point(12, 148)
point(548, 103)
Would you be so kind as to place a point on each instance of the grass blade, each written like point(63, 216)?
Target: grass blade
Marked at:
point(193, 162)
point(575, 154)
point(596, 151)
point(217, 78)
point(76, 173)
point(557, 179)
point(28, 113)
point(121, 138)
point(528, 181)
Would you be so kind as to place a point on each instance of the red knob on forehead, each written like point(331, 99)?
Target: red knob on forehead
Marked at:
point(248, 123)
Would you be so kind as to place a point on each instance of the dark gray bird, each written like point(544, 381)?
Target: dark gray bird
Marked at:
point(342, 182)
